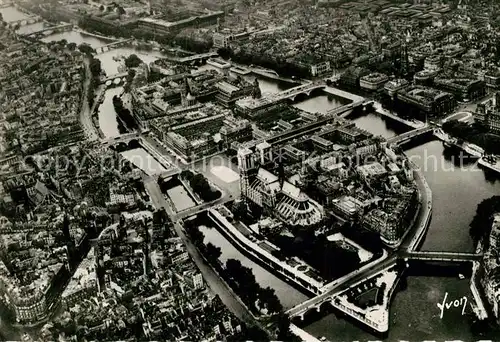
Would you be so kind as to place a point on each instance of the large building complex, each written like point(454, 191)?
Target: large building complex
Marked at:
point(464, 89)
point(272, 193)
point(373, 82)
point(163, 27)
point(428, 100)
point(491, 279)
point(488, 114)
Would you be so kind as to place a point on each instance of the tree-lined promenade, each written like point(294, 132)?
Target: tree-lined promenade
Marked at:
point(262, 302)
point(475, 134)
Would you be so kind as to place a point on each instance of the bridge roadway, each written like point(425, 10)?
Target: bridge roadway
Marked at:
point(382, 111)
point(344, 110)
point(340, 285)
point(196, 57)
point(301, 89)
point(272, 75)
point(344, 94)
point(409, 135)
point(53, 29)
point(113, 77)
point(443, 256)
point(110, 46)
point(122, 138)
point(311, 127)
point(26, 21)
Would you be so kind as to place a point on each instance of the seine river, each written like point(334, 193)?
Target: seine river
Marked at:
point(456, 193)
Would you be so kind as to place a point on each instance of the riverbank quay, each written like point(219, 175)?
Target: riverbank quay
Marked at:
point(289, 273)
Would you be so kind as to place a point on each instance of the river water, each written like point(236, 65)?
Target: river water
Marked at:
point(11, 14)
point(456, 193)
point(288, 296)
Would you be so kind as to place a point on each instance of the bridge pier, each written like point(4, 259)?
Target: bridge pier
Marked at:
point(111, 46)
point(53, 29)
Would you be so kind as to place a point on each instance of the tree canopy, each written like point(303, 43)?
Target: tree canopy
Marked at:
point(475, 134)
point(200, 186)
point(71, 46)
point(86, 48)
point(480, 227)
point(247, 288)
point(95, 67)
point(132, 61)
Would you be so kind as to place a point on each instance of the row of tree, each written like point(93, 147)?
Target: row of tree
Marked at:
point(128, 81)
point(247, 288)
point(189, 43)
point(213, 253)
point(200, 186)
point(132, 61)
point(475, 133)
point(281, 66)
point(241, 278)
point(480, 227)
point(329, 259)
point(86, 48)
point(95, 71)
point(124, 113)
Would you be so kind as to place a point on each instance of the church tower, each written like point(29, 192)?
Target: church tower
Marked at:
point(245, 166)
point(187, 99)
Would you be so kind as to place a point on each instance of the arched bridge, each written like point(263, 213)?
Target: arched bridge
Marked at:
point(203, 56)
point(113, 45)
point(114, 77)
point(124, 138)
point(344, 111)
point(50, 30)
point(25, 21)
point(443, 256)
point(292, 93)
point(405, 137)
point(265, 71)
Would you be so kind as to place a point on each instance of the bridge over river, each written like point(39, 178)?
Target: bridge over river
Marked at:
point(443, 256)
point(292, 93)
point(26, 21)
point(113, 45)
point(369, 271)
point(50, 30)
point(405, 137)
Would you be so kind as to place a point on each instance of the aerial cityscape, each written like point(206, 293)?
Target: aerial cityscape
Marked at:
point(249, 170)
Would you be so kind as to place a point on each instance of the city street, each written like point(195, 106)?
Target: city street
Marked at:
point(217, 285)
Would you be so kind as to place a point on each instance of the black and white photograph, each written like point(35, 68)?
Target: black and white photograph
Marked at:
point(250, 170)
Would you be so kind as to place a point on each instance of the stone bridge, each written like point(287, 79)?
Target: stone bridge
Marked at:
point(203, 56)
point(292, 93)
point(405, 137)
point(26, 21)
point(50, 30)
point(113, 45)
point(113, 77)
